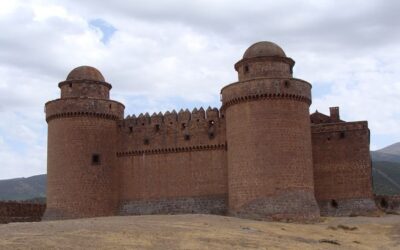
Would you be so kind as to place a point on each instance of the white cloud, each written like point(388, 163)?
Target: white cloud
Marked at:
point(173, 54)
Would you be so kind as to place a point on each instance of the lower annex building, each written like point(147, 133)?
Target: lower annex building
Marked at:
point(260, 155)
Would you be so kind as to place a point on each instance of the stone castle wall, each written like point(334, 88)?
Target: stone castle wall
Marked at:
point(253, 157)
point(12, 211)
point(342, 168)
point(173, 163)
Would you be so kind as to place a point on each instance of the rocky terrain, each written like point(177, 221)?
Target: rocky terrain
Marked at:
point(202, 232)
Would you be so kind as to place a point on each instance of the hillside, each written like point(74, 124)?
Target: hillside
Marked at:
point(23, 188)
point(386, 177)
point(389, 154)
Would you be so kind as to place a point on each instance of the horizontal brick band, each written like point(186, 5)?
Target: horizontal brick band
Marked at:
point(338, 127)
point(80, 114)
point(173, 150)
point(265, 96)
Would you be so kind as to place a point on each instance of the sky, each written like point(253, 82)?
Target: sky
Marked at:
point(172, 54)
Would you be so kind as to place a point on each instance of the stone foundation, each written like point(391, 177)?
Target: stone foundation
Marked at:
point(181, 205)
point(288, 206)
point(347, 207)
point(388, 203)
point(12, 211)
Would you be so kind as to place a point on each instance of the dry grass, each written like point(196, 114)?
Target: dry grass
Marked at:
point(202, 232)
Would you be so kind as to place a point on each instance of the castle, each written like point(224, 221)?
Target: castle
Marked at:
point(260, 155)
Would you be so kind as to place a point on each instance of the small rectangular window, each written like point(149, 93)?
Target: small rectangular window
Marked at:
point(95, 159)
point(342, 135)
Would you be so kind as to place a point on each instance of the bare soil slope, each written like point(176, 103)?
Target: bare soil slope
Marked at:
point(202, 232)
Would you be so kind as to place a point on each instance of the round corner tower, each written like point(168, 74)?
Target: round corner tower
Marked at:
point(82, 137)
point(270, 171)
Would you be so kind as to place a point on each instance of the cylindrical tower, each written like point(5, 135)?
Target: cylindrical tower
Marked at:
point(270, 172)
point(81, 157)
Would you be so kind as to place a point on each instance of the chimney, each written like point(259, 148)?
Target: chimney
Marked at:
point(334, 114)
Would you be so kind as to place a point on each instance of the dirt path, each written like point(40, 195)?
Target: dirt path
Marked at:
point(202, 232)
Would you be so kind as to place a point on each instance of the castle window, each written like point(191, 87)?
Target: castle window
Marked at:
point(334, 204)
point(95, 159)
point(130, 129)
point(183, 126)
point(70, 85)
point(287, 84)
point(157, 127)
point(211, 135)
point(110, 106)
point(146, 141)
point(246, 69)
point(187, 137)
point(342, 135)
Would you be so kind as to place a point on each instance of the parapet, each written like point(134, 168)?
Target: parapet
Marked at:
point(176, 131)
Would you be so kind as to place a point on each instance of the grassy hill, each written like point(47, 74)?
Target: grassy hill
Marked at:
point(388, 154)
point(23, 188)
point(386, 177)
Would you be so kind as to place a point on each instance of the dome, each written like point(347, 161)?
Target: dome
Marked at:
point(85, 73)
point(264, 49)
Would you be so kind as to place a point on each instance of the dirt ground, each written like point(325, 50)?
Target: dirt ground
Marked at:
point(202, 232)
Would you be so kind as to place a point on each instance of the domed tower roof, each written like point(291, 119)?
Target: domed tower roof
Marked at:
point(85, 73)
point(263, 48)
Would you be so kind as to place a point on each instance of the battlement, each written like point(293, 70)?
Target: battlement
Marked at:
point(174, 117)
point(172, 129)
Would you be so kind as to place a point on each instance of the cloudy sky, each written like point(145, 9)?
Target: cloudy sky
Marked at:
point(169, 54)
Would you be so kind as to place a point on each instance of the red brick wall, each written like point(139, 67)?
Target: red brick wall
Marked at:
point(173, 155)
point(342, 164)
point(269, 146)
point(20, 212)
point(85, 88)
point(76, 187)
point(168, 175)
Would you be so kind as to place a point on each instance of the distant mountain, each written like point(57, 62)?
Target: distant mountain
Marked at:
point(393, 149)
point(33, 187)
point(386, 177)
point(389, 154)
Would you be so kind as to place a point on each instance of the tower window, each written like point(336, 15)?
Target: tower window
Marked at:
point(130, 129)
point(187, 137)
point(157, 127)
point(110, 106)
point(70, 85)
point(246, 69)
point(342, 134)
point(95, 159)
point(287, 84)
point(146, 141)
point(183, 126)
